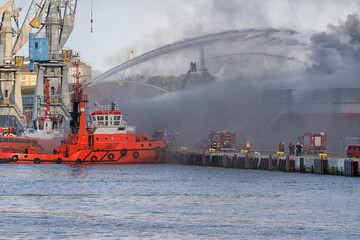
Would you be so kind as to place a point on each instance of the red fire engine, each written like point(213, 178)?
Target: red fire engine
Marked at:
point(225, 140)
point(314, 143)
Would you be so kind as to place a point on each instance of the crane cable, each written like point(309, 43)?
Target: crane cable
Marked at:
point(92, 19)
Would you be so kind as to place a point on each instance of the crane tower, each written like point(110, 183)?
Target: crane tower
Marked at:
point(58, 24)
point(10, 92)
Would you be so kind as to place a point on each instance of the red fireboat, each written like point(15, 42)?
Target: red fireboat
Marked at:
point(105, 139)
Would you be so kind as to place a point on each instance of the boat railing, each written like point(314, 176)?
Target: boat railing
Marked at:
point(106, 108)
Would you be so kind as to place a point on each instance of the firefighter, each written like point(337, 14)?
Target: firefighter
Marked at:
point(298, 149)
point(291, 148)
point(214, 145)
point(281, 147)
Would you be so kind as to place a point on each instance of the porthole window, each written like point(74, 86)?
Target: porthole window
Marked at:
point(149, 144)
point(142, 145)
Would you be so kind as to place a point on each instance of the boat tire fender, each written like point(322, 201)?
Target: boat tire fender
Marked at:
point(111, 156)
point(37, 160)
point(93, 158)
point(123, 152)
point(59, 161)
point(135, 154)
point(15, 158)
point(79, 161)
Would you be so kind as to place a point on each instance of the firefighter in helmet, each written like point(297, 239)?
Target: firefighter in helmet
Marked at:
point(214, 145)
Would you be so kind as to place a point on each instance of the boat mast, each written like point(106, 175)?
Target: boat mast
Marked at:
point(78, 121)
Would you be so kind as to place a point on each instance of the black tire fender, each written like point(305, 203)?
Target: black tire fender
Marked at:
point(59, 161)
point(79, 161)
point(123, 152)
point(93, 158)
point(135, 154)
point(37, 160)
point(15, 158)
point(111, 156)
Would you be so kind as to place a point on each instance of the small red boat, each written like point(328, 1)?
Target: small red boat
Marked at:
point(105, 139)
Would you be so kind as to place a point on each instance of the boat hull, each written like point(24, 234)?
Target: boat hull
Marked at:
point(20, 144)
point(90, 156)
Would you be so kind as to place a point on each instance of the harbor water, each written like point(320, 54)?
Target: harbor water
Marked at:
point(170, 201)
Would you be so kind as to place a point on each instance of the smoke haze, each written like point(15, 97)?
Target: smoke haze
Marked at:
point(242, 102)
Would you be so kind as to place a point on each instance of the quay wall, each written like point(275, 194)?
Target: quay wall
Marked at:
point(316, 165)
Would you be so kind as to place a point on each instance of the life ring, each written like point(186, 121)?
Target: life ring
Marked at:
point(135, 154)
point(79, 161)
point(51, 130)
point(37, 160)
point(59, 161)
point(93, 158)
point(123, 152)
point(15, 158)
point(111, 156)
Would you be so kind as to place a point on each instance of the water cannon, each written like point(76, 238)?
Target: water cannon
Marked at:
point(193, 67)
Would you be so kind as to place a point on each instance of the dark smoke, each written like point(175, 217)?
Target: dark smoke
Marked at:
point(338, 50)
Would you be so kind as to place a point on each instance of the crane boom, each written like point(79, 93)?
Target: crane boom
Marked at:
point(32, 20)
point(68, 21)
point(6, 6)
point(61, 12)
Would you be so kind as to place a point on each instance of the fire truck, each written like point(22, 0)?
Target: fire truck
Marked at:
point(225, 140)
point(170, 137)
point(8, 131)
point(314, 143)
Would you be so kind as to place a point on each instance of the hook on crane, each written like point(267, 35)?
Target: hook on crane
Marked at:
point(92, 17)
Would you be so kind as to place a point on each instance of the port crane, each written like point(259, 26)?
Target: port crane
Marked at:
point(56, 19)
point(10, 91)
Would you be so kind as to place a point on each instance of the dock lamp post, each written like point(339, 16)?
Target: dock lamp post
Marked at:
point(347, 138)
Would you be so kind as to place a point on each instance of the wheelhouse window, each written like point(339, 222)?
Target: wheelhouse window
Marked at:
point(100, 120)
point(117, 120)
point(41, 124)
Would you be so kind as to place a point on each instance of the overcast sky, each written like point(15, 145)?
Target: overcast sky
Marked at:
point(142, 25)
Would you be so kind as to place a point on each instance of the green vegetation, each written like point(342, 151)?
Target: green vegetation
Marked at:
point(169, 83)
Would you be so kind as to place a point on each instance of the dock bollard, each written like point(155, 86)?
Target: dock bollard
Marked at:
point(234, 161)
point(204, 159)
point(302, 165)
